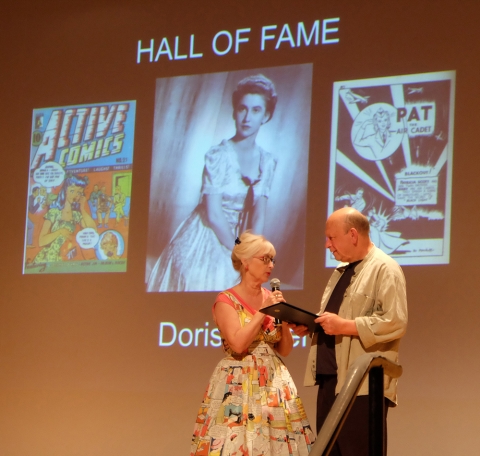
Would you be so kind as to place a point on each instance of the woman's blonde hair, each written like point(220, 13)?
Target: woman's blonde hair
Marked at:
point(247, 246)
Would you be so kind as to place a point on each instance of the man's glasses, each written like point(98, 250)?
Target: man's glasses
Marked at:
point(266, 259)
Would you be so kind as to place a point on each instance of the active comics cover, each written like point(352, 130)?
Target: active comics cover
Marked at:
point(79, 188)
point(391, 158)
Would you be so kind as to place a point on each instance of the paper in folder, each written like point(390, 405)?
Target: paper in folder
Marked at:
point(291, 314)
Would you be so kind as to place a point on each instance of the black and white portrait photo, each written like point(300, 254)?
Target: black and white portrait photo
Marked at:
point(230, 153)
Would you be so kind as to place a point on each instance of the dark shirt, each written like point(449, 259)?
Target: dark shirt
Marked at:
point(326, 362)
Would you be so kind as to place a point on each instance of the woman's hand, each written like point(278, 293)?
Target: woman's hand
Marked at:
point(285, 345)
point(299, 330)
point(274, 298)
point(66, 233)
point(82, 202)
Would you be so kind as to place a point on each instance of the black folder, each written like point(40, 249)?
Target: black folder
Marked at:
point(292, 314)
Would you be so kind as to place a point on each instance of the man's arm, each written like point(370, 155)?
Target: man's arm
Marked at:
point(388, 321)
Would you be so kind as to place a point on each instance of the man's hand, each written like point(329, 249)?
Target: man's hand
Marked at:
point(334, 325)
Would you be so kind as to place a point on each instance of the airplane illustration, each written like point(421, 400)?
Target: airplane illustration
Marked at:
point(355, 98)
point(412, 90)
point(440, 136)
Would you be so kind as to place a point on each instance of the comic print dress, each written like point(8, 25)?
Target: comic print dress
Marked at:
point(251, 405)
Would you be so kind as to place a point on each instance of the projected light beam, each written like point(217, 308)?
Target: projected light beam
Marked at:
point(344, 161)
point(440, 162)
point(384, 174)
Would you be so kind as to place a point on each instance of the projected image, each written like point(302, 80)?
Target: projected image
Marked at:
point(391, 159)
point(230, 153)
point(80, 179)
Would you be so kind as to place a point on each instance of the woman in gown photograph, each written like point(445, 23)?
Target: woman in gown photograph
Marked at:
point(251, 406)
point(236, 181)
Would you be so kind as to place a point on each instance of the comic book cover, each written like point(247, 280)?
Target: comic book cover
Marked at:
point(79, 188)
point(391, 158)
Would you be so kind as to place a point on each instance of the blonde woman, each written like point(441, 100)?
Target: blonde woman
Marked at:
point(251, 413)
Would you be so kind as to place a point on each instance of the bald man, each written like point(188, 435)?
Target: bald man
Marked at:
point(363, 310)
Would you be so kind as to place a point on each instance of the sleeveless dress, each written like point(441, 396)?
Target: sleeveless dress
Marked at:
point(251, 405)
point(194, 259)
point(52, 252)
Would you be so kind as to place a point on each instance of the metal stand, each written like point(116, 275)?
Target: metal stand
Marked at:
point(373, 365)
point(376, 421)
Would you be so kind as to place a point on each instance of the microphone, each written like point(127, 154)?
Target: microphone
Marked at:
point(275, 284)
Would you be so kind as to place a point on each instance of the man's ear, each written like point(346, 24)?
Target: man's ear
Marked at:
point(354, 236)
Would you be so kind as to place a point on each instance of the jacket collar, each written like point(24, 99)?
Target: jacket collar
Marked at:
point(342, 266)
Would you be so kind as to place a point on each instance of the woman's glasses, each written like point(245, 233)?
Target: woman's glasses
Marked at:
point(266, 259)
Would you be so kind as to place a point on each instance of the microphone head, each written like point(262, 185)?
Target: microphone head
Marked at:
point(275, 283)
